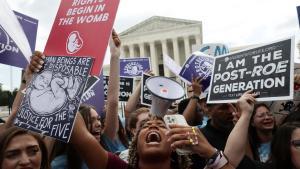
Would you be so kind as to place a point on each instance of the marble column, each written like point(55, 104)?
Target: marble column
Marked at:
point(154, 60)
point(131, 51)
point(187, 46)
point(165, 52)
point(176, 51)
point(142, 50)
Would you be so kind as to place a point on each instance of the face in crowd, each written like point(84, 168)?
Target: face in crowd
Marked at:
point(263, 119)
point(152, 140)
point(21, 149)
point(285, 146)
point(222, 116)
point(91, 119)
point(295, 148)
point(95, 124)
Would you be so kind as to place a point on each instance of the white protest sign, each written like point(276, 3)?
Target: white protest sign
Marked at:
point(11, 25)
point(171, 64)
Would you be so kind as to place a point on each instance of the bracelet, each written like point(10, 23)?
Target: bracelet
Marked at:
point(219, 162)
point(195, 97)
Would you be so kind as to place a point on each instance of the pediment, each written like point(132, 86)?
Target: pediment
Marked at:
point(156, 23)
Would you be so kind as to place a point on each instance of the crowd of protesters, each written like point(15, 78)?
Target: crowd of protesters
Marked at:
point(243, 135)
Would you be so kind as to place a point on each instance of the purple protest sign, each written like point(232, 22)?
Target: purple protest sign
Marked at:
point(132, 67)
point(10, 54)
point(94, 93)
point(198, 65)
point(298, 12)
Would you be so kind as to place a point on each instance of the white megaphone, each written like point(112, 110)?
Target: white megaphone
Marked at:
point(164, 91)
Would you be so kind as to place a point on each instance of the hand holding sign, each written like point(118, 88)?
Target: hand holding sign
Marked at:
point(197, 86)
point(246, 102)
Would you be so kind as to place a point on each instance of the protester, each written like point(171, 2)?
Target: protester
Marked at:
point(151, 148)
point(135, 120)
point(261, 132)
point(194, 109)
point(113, 136)
point(20, 148)
point(285, 147)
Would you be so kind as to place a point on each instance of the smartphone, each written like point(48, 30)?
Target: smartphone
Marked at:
point(175, 119)
point(180, 120)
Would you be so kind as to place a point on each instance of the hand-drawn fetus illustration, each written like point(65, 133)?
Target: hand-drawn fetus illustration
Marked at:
point(48, 93)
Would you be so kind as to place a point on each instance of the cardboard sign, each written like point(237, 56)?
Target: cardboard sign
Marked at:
point(145, 93)
point(82, 28)
point(198, 65)
point(126, 87)
point(93, 93)
point(10, 53)
point(53, 96)
point(268, 70)
point(133, 67)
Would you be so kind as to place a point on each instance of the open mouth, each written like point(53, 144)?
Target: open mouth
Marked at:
point(268, 123)
point(96, 133)
point(153, 137)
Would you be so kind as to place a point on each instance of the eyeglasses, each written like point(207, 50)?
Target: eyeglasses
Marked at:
point(264, 114)
point(296, 143)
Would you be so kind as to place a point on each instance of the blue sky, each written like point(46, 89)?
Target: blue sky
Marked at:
point(233, 22)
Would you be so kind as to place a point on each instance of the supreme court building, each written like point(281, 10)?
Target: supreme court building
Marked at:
point(161, 35)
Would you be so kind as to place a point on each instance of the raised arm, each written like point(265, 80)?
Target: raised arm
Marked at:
point(87, 146)
point(189, 112)
point(237, 141)
point(133, 100)
point(111, 125)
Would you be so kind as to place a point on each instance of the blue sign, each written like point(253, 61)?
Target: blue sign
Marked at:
point(214, 49)
point(94, 93)
point(10, 54)
point(298, 12)
point(133, 67)
point(198, 65)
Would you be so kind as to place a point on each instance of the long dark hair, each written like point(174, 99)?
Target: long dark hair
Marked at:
point(253, 137)
point(280, 147)
point(73, 159)
point(7, 135)
point(177, 162)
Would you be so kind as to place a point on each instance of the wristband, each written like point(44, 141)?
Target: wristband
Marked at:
point(219, 162)
point(195, 97)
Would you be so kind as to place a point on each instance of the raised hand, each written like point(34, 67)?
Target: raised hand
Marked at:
point(189, 138)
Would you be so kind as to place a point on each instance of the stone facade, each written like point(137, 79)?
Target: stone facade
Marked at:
point(157, 36)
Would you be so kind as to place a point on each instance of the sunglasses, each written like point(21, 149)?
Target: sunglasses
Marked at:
point(296, 143)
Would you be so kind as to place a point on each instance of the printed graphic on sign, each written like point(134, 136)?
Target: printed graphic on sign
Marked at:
point(198, 65)
point(74, 42)
point(53, 96)
point(133, 67)
point(126, 87)
point(145, 92)
point(82, 28)
point(10, 53)
point(268, 70)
